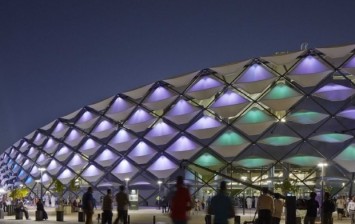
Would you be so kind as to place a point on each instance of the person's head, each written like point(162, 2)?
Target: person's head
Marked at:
point(264, 190)
point(277, 195)
point(90, 189)
point(122, 188)
point(326, 195)
point(223, 186)
point(313, 195)
point(179, 181)
point(108, 191)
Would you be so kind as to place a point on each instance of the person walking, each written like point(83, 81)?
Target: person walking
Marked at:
point(221, 206)
point(351, 210)
point(328, 207)
point(40, 207)
point(181, 203)
point(122, 205)
point(278, 206)
point(312, 207)
point(341, 206)
point(88, 205)
point(265, 207)
point(107, 208)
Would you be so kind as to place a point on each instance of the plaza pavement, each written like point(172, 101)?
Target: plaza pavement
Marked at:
point(142, 216)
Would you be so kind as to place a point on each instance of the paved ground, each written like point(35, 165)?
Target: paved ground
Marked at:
point(142, 216)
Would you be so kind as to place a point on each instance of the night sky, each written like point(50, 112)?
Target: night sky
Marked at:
point(57, 56)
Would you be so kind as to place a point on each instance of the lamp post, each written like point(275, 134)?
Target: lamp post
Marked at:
point(126, 180)
point(159, 183)
point(322, 165)
point(41, 169)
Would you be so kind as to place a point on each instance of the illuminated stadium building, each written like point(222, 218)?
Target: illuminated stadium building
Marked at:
point(261, 120)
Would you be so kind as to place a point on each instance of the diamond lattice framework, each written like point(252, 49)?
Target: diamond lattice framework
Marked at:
point(293, 109)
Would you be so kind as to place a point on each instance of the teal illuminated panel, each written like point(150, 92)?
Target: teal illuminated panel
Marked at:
point(348, 153)
point(254, 116)
point(207, 160)
point(279, 140)
point(230, 138)
point(332, 137)
point(304, 160)
point(307, 117)
point(281, 91)
point(254, 162)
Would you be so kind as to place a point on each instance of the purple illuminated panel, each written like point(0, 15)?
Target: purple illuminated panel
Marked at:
point(87, 116)
point(162, 167)
point(142, 153)
point(334, 92)
point(229, 98)
point(205, 83)
point(158, 94)
point(103, 126)
point(124, 170)
point(348, 113)
point(204, 123)
point(255, 73)
point(350, 63)
point(139, 116)
point(92, 174)
point(310, 65)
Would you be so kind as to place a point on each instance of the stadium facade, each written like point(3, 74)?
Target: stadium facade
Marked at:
point(262, 121)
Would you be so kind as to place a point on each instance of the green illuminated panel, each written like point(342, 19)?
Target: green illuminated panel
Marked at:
point(307, 117)
point(348, 153)
point(281, 91)
point(332, 137)
point(279, 140)
point(230, 138)
point(207, 160)
point(254, 162)
point(304, 160)
point(254, 116)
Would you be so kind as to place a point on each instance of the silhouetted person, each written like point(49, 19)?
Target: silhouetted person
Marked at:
point(351, 210)
point(312, 206)
point(278, 206)
point(107, 208)
point(265, 207)
point(122, 205)
point(180, 202)
point(20, 207)
point(40, 207)
point(221, 206)
point(328, 207)
point(88, 205)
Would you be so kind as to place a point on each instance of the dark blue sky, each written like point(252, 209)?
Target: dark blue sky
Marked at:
point(59, 55)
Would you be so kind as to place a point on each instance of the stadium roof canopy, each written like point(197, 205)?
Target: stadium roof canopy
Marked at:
point(292, 110)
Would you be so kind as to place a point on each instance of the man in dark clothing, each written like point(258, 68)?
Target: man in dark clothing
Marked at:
point(107, 208)
point(328, 207)
point(221, 206)
point(88, 205)
point(123, 203)
point(312, 206)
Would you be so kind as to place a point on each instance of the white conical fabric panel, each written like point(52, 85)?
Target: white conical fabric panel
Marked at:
point(22, 174)
point(35, 172)
point(309, 72)
point(139, 121)
point(46, 179)
point(124, 170)
point(66, 176)
point(39, 139)
point(87, 120)
point(229, 104)
point(92, 174)
point(77, 163)
point(334, 92)
point(159, 99)
point(74, 138)
point(24, 146)
point(32, 153)
point(205, 127)
point(106, 158)
point(205, 88)
point(27, 164)
point(120, 109)
point(89, 147)
point(50, 146)
point(161, 133)
point(142, 153)
point(102, 105)
point(60, 130)
point(103, 129)
point(63, 153)
point(182, 112)
point(162, 167)
point(183, 148)
point(346, 158)
point(53, 167)
point(122, 140)
point(42, 160)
